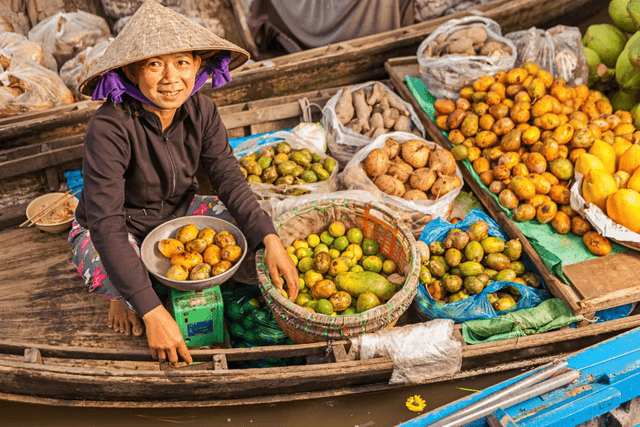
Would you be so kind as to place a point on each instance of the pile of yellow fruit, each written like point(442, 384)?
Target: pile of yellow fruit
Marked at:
point(341, 272)
point(524, 133)
point(199, 254)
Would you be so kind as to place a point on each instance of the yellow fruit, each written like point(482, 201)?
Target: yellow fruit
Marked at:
point(606, 153)
point(337, 228)
point(620, 145)
point(586, 162)
point(630, 159)
point(313, 240)
point(623, 207)
point(170, 247)
point(634, 181)
point(177, 272)
point(299, 243)
point(621, 178)
point(312, 277)
point(356, 249)
point(186, 233)
point(597, 186)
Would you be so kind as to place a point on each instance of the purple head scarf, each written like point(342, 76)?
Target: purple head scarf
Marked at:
point(110, 83)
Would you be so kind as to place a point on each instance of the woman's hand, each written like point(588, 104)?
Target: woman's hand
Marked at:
point(165, 339)
point(278, 262)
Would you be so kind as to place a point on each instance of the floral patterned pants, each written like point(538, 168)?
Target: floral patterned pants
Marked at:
point(87, 260)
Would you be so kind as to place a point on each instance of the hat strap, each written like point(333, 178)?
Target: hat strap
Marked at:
point(110, 83)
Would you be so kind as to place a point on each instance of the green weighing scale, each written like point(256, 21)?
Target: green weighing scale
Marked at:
point(200, 316)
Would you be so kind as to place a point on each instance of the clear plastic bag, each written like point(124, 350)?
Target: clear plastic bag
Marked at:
point(121, 8)
point(354, 178)
point(269, 194)
point(343, 142)
point(35, 87)
point(419, 351)
point(76, 70)
point(65, 34)
point(445, 76)
point(557, 50)
point(312, 134)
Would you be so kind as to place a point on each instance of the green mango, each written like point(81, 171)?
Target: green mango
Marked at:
point(284, 180)
point(606, 40)
point(633, 9)
point(357, 283)
point(265, 161)
point(309, 176)
point(620, 15)
point(471, 268)
point(286, 168)
point(593, 60)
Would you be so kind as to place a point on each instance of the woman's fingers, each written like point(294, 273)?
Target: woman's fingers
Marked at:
point(172, 355)
point(184, 353)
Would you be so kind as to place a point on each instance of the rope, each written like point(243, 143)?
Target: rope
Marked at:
point(305, 105)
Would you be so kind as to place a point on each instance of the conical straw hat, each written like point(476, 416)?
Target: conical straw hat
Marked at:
point(157, 30)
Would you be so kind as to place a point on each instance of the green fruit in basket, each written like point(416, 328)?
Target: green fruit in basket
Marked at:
point(517, 267)
point(283, 147)
point(312, 304)
point(455, 271)
point(303, 253)
point(349, 310)
point(492, 245)
point(303, 298)
point(490, 272)
point(334, 253)
point(492, 298)
point(497, 261)
point(513, 249)
point(301, 158)
point(280, 158)
point(326, 238)
point(473, 251)
point(453, 257)
point(284, 180)
point(356, 268)
point(370, 246)
point(312, 277)
point(372, 263)
point(309, 176)
point(425, 275)
point(366, 301)
point(341, 243)
point(503, 303)
point(531, 279)
point(320, 247)
point(389, 266)
point(253, 168)
point(286, 167)
point(324, 306)
point(442, 260)
point(478, 230)
point(381, 256)
point(340, 300)
point(471, 268)
point(357, 283)
point(452, 284)
point(458, 296)
point(473, 285)
point(269, 175)
point(305, 264)
point(436, 268)
point(321, 262)
point(297, 171)
point(505, 275)
point(437, 248)
point(265, 161)
point(329, 164)
point(322, 174)
point(355, 235)
point(460, 152)
point(254, 178)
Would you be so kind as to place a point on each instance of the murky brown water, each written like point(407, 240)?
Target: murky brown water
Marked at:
point(383, 409)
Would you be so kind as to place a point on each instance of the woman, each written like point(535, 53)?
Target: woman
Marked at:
point(141, 153)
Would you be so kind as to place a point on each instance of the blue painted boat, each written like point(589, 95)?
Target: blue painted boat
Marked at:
point(599, 379)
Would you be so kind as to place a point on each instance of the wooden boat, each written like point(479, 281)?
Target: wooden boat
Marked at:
point(338, 64)
point(604, 377)
point(55, 349)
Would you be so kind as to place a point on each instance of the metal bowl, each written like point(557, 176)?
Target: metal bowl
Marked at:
point(48, 199)
point(158, 264)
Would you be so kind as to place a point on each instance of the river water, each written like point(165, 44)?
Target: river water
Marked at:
point(383, 409)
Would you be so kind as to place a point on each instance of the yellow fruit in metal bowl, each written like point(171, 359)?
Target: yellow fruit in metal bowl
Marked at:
point(224, 238)
point(208, 234)
point(170, 247)
point(177, 272)
point(220, 267)
point(186, 233)
point(200, 271)
point(231, 253)
point(212, 255)
point(187, 259)
point(196, 245)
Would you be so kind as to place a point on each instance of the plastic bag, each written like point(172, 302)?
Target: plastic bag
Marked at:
point(476, 306)
point(76, 70)
point(429, 9)
point(343, 142)
point(270, 192)
point(34, 87)
point(355, 178)
point(557, 50)
point(446, 75)
point(604, 225)
point(121, 8)
point(66, 34)
point(419, 352)
point(14, 43)
point(312, 134)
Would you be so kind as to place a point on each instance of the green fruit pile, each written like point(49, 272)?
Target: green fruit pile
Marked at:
point(341, 271)
point(284, 166)
point(466, 262)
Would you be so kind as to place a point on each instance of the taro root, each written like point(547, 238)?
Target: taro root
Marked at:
point(400, 170)
point(415, 195)
point(442, 161)
point(422, 179)
point(415, 152)
point(389, 185)
point(392, 147)
point(444, 185)
point(377, 162)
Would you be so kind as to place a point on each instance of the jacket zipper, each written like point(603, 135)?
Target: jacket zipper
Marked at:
point(173, 169)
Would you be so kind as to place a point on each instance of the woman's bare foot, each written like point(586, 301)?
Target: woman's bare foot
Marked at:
point(123, 320)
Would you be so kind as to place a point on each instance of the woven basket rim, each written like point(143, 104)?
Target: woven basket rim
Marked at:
point(399, 301)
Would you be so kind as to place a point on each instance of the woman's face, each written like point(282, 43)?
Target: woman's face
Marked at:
point(166, 80)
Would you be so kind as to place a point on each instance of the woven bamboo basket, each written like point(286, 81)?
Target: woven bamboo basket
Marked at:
point(631, 245)
point(396, 243)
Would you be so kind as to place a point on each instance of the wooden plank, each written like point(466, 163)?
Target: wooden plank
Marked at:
point(220, 362)
point(621, 275)
point(42, 160)
point(243, 29)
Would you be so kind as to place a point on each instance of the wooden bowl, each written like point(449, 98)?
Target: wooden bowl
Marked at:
point(47, 199)
point(158, 264)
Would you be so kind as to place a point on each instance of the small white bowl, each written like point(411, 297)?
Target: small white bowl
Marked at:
point(47, 199)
